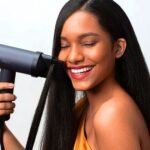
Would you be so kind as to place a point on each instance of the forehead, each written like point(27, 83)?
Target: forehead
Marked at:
point(80, 22)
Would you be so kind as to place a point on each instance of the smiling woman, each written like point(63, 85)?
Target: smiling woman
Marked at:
point(91, 53)
point(101, 57)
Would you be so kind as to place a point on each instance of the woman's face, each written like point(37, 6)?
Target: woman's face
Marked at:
point(87, 50)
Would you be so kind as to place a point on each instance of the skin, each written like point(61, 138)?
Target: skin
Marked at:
point(113, 120)
point(8, 105)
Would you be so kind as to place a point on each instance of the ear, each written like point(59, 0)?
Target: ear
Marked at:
point(120, 47)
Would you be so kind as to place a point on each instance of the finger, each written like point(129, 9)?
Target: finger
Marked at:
point(6, 97)
point(7, 106)
point(6, 85)
point(6, 112)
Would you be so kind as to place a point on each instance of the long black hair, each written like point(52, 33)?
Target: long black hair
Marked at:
point(131, 72)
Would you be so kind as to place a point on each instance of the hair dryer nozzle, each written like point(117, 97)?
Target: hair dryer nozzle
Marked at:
point(24, 61)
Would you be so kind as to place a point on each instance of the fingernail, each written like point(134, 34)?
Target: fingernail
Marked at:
point(11, 85)
point(15, 97)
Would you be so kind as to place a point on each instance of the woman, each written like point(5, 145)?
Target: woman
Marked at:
point(102, 58)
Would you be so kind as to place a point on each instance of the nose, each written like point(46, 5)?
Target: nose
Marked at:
point(75, 55)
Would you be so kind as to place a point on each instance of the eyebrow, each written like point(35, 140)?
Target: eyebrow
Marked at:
point(83, 35)
point(88, 34)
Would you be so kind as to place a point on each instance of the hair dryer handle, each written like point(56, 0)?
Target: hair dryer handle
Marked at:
point(6, 76)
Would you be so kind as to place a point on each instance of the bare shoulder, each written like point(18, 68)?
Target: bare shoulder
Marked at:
point(118, 123)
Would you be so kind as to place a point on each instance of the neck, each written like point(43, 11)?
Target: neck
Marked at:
point(100, 94)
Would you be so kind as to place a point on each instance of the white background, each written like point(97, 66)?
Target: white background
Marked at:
point(29, 24)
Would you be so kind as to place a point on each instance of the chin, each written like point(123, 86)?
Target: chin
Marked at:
point(81, 87)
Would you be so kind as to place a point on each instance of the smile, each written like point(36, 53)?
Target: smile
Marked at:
point(81, 70)
point(80, 73)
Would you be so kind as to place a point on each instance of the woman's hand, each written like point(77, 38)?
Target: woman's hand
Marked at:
point(7, 104)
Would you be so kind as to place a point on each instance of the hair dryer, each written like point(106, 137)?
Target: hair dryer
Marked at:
point(24, 61)
point(14, 60)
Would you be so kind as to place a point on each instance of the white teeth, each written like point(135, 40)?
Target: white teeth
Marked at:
point(82, 70)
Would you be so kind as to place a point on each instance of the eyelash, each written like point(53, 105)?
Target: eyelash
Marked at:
point(66, 46)
point(90, 44)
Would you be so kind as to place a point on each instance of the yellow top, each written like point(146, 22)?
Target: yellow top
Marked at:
point(81, 141)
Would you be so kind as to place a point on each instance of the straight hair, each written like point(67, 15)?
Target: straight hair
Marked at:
point(131, 73)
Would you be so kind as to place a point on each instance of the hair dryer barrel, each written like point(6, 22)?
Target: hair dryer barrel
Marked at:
point(24, 61)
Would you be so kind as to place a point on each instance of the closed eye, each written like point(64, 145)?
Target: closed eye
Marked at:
point(64, 46)
point(89, 44)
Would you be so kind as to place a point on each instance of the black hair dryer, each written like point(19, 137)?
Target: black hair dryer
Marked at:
point(14, 60)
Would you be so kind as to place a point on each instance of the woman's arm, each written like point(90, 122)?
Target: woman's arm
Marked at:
point(10, 141)
point(120, 127)
point(116, 134)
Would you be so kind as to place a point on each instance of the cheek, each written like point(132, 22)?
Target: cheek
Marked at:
point(97, 55)
point(104, 58)
point(62, 55)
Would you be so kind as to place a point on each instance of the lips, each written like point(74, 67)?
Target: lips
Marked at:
point(80, 72)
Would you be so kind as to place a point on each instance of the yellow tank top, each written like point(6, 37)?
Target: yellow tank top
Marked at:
point(81, 141)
